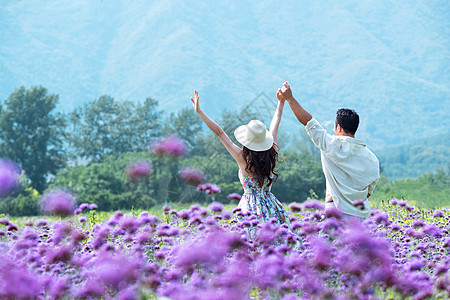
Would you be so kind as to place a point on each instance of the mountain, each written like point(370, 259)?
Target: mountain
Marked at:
point(387, 59)
point(421, 156)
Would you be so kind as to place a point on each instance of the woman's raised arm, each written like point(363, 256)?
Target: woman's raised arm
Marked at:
point(232, 148)
point(275, 124)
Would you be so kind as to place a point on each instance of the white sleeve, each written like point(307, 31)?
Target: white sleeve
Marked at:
point(320, 137)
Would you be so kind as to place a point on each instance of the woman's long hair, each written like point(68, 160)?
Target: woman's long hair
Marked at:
point(261, 164)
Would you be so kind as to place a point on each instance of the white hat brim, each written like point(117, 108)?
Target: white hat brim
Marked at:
point(242, 136)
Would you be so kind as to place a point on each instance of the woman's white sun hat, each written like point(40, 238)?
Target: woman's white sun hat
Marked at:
point(254, 136)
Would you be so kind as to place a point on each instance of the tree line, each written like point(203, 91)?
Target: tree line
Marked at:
point(414, 159)
point(87, 150)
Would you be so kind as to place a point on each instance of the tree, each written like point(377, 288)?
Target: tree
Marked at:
point(147, 123)
point(187, 125)
point(25, 203)
point(301, 177)
point(105, 126)
point(209, 145)
point(32, 134)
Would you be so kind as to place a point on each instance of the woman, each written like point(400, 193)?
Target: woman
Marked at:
point(256, 160)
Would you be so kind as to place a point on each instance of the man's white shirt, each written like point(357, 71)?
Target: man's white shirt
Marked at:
point(351, 169)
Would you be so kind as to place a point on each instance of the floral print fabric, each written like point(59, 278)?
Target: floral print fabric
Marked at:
point(260, 201)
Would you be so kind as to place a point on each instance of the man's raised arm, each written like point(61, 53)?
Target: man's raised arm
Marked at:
point(317, 133)
point(302, 115)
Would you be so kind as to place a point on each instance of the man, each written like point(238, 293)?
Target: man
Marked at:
point(351, 169)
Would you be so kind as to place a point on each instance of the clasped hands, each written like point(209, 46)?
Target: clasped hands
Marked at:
point(285, 92)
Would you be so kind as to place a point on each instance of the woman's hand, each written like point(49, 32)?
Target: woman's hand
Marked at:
point(195, 102)
point(280, 96)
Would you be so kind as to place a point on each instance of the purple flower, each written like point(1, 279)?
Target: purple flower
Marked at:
point(414, 283)
point(382, 218)
point(330, 223)
point(139, 169)
point(216, 206)
point(93, 206)
point(58, 288)
point(82, 219)
point(84, 206)
point(414, 233)
point(395, 227)
point(60, 231)
point(194, 207)
point(392, 251)
point(322, 254)
point(410, 207)
point(226, 215)
point(77, 211)
point(314, 204)
point(359, 203)
point(209, 250)
point(130, 225)
point(172, 275)
point(113, 270)
point(215, 189)
point(295, 207)
point(173, 231)
point(184, 214)
point(209, 188)
point(171, 145)
point(234, 196)
point(59, 202)
point(128, 293)
point(12, 227)
point(91, 289)
point(432, 230)
point(17, 282)
point(438, 214)
point(295, 225)
point(41, 222)
point(192, 176)
point(194, 220)
point(9, 177)
point(77, 236)
point(416, 265)
point(62, 254)
point(166, 209)
point(333, 213)
point(418, 223)
point(402, 203)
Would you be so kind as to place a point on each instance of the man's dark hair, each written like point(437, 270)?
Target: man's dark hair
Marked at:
point(348, 119)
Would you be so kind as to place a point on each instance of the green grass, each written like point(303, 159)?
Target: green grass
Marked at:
point(427, 191)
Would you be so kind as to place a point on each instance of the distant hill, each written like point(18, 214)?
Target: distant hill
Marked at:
point(387, 59)
point(421, 156)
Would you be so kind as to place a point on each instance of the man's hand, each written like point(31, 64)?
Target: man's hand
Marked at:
point(302, 115)
point(286, 92)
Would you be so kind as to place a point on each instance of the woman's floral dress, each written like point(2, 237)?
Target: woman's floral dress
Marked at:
point(260, 201)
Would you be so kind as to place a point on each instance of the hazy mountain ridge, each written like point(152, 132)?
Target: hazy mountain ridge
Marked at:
point(426, 155)
point(388, 60)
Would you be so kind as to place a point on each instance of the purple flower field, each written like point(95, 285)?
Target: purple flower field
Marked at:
point(205, 253)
